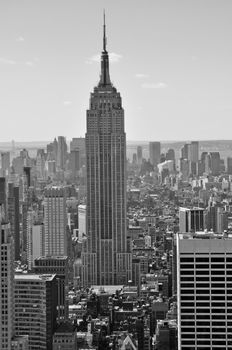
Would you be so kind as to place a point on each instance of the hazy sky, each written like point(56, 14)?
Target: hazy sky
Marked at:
point(170, 59)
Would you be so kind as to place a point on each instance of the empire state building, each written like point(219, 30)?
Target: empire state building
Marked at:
point(106, 258)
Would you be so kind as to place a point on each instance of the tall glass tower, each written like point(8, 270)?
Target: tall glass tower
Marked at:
point(106, 258)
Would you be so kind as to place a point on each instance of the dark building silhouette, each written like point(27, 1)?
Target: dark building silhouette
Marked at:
point(27, 172)
point(3, 191)
point(13, 216)
point(229, 165)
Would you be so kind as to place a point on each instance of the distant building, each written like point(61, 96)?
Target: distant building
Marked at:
point(139, 155)
point(229, 165)
point(74, 161)
point(194, 152)
point(3, 192)
point(40, 164)
point(35, 239)
point(184, 152)
point(154, 152)
point(216, 218)
point(82, 221)
point(167, 164)
point(61, 153)
point(215, 163)
point(184, 168)
point(78, 144)
point(5, 163)
point(191, 220)
point(55, 221)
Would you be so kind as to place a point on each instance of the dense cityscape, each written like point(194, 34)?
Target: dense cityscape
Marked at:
point(105, 246)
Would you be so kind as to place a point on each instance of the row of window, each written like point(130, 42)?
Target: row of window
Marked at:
point(205, 259)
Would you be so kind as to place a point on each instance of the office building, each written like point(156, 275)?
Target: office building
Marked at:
point(139, 155)
point(106, 259)
point(74, 161)
point(170, 155)
point(204, 291)
point(40, 164)
point(229, 165)
point(154, 153)
point(13, 216)
point(6, 286)
point(184, 153)
point(184, 166)
point(5, 163)
point(82, 221)
point(61, 153)
point(55, 221)
point(58, 265)
point(194, 151)
point(216, 218)
point(27, 173)
point(36, 303)
point(3, 192)
point(52, 149)
point(215, 163)
point(191, 220)
point(35, 239)
point(78, 144)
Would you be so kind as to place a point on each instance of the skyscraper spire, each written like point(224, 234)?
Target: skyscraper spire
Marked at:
point(104, 31)
point(105, 75)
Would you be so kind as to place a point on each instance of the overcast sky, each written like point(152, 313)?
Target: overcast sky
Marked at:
point(171, 60)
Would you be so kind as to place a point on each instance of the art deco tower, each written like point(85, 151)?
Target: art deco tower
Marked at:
point(106, 259)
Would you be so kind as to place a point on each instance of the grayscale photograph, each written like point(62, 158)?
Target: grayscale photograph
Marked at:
point(116, 174)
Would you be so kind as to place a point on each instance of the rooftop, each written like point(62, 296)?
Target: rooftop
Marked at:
point(54, 257)
point(34, 277)
point(205, 235)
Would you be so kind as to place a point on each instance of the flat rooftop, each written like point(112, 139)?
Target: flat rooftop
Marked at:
point(53, 257)
point(34, 277)
point(205, 235)
point(106, 289)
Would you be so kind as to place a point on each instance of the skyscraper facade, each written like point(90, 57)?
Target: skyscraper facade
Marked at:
point(13, 215)
point(35, 238)
point(3, 192)
point(36, 300)
point(204, 291)
point(154, 152)
point(61, 153)
point(55, 222)
point(191, 220)
point(229, 165)
point(6, 286)
point(194, 151)
point(139, 155)
point(106, 259)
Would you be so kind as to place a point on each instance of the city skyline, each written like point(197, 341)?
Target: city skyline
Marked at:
point(105, 246)
point(172, 65)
